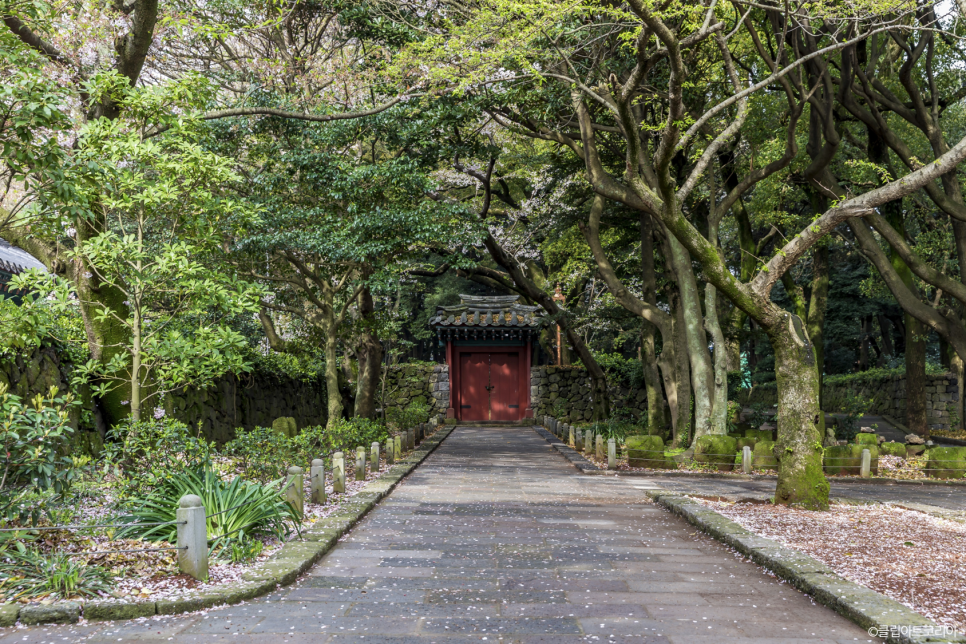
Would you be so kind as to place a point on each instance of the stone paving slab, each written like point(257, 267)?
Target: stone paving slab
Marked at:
point(497, 536)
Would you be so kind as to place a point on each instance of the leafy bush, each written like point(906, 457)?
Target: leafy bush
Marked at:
point(401, 419)
point(758, 415)
point(627, 371)
point(855, 407)
point(28, 574)
point(34, 438)
point(148, 453)
point(346, 435)
point(234, 509)
point(264, 452)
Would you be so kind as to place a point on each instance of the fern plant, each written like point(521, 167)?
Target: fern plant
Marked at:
point(233, 509)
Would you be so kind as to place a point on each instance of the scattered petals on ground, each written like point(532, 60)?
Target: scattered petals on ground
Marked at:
point(916, 559)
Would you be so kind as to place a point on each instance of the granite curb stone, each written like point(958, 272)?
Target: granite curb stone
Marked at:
point(572, 455)
point(282, 569)
point(867, 608)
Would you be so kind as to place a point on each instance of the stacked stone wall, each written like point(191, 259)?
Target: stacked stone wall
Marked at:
point(249, 400)
point(421, 383)
point(888, 396)
point(564, 392)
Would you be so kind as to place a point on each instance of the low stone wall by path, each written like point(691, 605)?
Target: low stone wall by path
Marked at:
point(422, 383)
point(249, 400)
point(888, 397)
point(564, 392)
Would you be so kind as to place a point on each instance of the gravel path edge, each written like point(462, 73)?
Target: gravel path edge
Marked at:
point(873, 611)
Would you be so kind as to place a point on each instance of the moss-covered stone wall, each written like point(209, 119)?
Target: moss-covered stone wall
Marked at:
point(888, 396)
point(249, 400)
point(416, 383)
point(564, 392)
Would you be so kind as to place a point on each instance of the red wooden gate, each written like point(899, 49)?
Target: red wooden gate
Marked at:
point(489, 385)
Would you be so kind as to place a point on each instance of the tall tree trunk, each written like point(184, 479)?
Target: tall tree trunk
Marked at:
point(719, 409)
point(333, 393)
point(817, 306)
point(719, 412)
point(369, 352)
point(702, 373)
point(682, 379)
point(801, 480)
point(916, 377)
point(652, 377)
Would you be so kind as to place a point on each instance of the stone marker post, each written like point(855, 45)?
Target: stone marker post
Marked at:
point(390, 451)
point(317, 485)
point(572, 436)
point(294, 489)
point(374, 457)
point(338, 472)
point(360, 463)
point(411, 435)
point(746, 459)
point(611, 454)
point(588, 442)
point(866, 469)
point(578, 439)
point(192, 537)
point(397, 439)
point(600, 447)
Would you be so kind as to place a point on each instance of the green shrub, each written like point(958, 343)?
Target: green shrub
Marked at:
point(346, 435)
point(758, 414)
point(28, 574)
point(236, 509)
point(854, 407)
point(402, 418)
point(34, 438)
point(265, 453)
point(146, 453)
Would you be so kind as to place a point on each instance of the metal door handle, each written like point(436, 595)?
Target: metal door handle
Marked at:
point(490, 388)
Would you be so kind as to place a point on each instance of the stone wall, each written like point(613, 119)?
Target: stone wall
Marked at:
point(250, 400)
point(417, 383)
point(564, 392)
point(888, 397)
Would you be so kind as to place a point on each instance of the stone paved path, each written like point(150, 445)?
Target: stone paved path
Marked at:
point(497, 538)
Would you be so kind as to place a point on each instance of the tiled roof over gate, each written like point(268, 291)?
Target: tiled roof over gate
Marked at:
point(487, 317)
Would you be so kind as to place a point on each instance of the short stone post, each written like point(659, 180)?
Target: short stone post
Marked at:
point(600, 447)
point(360, 463)
point(338, 472)
point(317, 484)
point(746, 459)
point(390, 451)
point(411, 435)
point(374, 458)
point(397, 439)
point(866, 469)
point(572, 436)
point(192, 537)
point(578, 439)
point(588, 442)
point(294, 490)
point(611, 454)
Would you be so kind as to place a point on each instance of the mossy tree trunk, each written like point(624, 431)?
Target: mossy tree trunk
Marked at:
point(801, 480)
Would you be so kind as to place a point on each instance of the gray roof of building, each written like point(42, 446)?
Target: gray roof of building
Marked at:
point(15, 260)
point(484, 311)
